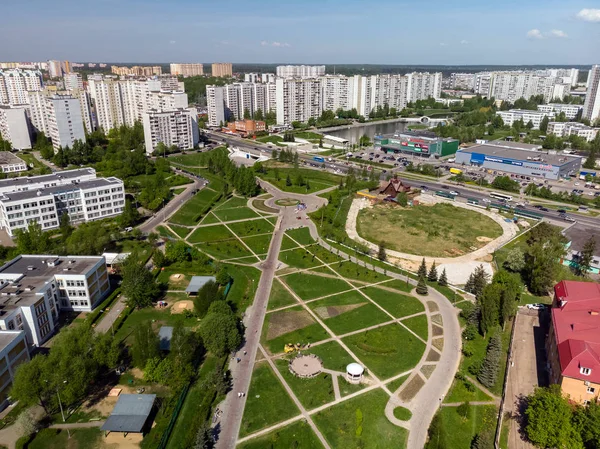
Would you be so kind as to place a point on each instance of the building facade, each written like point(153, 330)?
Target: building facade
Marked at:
point(222, 69)
point(9, 163)
point(173, 127)
point(14, 85)
point(571, 111)
point(136, 70)
point(535, 117)
point(14, 126)
point(300, 71)
point(462, 81)
point(565, 129)
point(13, 351)
point(64, 121)
point(591, 106)
point(420, 143)
point(187, 69)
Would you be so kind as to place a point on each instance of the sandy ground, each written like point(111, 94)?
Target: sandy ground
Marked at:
point(458, 273)
point(118, 441)
point(181, 306)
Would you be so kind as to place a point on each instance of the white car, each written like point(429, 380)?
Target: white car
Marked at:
point(576, 183)
point(485, 200)
point(536, 306)
point(452, 192)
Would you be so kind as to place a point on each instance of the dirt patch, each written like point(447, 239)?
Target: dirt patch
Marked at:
point(116, 440)
point(437, 319)
point(487, 258)
point(437, 331)
point(181, 306)
point(412, 388)
point(282, 323)
point(178, 280)
point(484, 239)
point(433, 307)
point(331, 311)
point(433, 356)
point(438, 343)
point(428, 370)
point(452, 252)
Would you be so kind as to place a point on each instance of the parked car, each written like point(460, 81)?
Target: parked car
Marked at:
point(544, 209)
point(452, 192)
point(536, 306)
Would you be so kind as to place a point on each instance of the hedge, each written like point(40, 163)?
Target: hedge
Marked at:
point(95, 315)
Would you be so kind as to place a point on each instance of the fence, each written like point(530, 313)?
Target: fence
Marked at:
point(165, 437)
point(501, 411)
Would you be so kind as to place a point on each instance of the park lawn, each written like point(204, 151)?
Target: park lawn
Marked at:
point(233, 202)
point(298, 258)
point(288, 331)
point(287, 243)
point(418, 324)
point(251, 227)
point(308, 135)
point(397, 284)
point(225, 249)
point(237, 213)
point(354, 271)
point(317, 180)
point(258, 243)
point(191, 159)
point(347, 388)
point(441, 230)
point(332, 354)
point(449, 293)
point(459, 432)
point(397, 383)
point(243, 288)
point(298, 435)
point(261, 206)
point(397, 304)
point(158, 318)
point(165, 233)
point(311, 393)
point(387, 350)
point(403, 414)
point(210, 234)
point(272, 139)
point(459, 393)
point(82, 438)
point(188, 269)
point(180, 230)
point(209, 219)
point(309, 286)
point(301, 235)
point(340, 427)
point(279, 296)
point(323, 254)
point(250, 260)
point(337, 314)
point(189, 214)
point(178, 191)
point(267, 403)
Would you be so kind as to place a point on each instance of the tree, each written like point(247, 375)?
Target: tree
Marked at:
point(590, 161)
point(489, 301)
point(443, 280)
point(488, 373)
point(587, 423)
point(206, 296)
point(464, 410)
point(203, 437)
point(145, 344)
point(586, 256)
point(247, 115)
point(483, 440)
point(422, 271)
point(515, 260)
point(222, 277)
point(422, 286)
point(65, 226)
point(129, 216)
point(544, 124)
point(381, 255)
point(219, 329)
point(477, 281)
point(402, 199)
point(159, 260)
point(436, 433)
point(288, 181)
point(30, 384)
point(138, 286)
point(549, 420)
point(433, 275)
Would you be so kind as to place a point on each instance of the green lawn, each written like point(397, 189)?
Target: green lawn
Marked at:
point(258, 243)
point(211, 233)
point(225, 249)
point(308, 135)
point(260, 205)
point(338, 314)
point(323, 254)
point(298, 258)
point(189, 213)
point(333, 355)
point(298, 435)
point(311, 393)
point(209, 219)
point(399, 285)
point(402, 413)
point(267, 402)
point(387, 350)
point(59, 439)
point(395, 384)
point(301, 235)
point(287, 243)
point(178, 191)
point(191, 159)
point(251, 227)
point(180, 230)
point(234, 201)
point(397, 304)
point(243, 289)
point(360, 423)
point(317, 180)
point(351, 270)
point(279, 296)
point(237, 213)
point(441, 230)
point(459, 393)
point(272, 139)
point(165, 233)
point(459, 432)
point(286, 322)
point(311, 286)
point(417, 324)
point(158, 318)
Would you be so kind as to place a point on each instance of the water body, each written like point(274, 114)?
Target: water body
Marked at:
point(354, 133)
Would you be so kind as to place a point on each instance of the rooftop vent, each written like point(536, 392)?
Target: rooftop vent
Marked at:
point(53, 263)
point(67, 269)
point(72, 261)
point(30, 268)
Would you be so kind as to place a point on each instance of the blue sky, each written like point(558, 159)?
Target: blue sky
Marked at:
point(307, 31)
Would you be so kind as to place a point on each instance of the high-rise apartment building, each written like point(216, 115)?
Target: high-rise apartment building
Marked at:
point(462, 81)
point(57, 69)
point(222, 69)
point(215, 102)
point(173, 127)
point(298, 99)
point(591, 106)
point(73, 81)
point(300, 71)
point(187, 69)
point(136, 70)
point(14, 126)
point(64, 120)
point(14, 85)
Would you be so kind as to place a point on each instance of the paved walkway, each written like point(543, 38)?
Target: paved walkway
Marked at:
point(110, 316)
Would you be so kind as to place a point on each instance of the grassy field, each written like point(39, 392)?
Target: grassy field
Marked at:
point(397, 383)
point(317, 180)
point(387, 350)
point(342, 427)
point(310, 286)
point(298, 258)
point(191, 159)
point(180, 230)
point(417, 324)
point(189, 213)
point(397, 304)
point(293, 325)
point(348, 312)
point(441, 230)
point(332, 354)
point(233, 202)
point(354, 271)
point(258, 243)
point(459, 393)
point(287, 243)
point(158, 318)
point(225, 249)
point(298, 435)
point(243, 289)
point(251, 227)
point(272, 139)
point(301, 235)
point(279, 296)
point(267, 402)
point(402, 413)
point(237, 213)
point(311, 393)
point(459, 432)
point(260, 205)
point(59, 439)
point(210, 234)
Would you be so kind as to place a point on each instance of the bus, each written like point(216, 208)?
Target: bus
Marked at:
point(501, 196)
point(455, 171)
point(319, 159)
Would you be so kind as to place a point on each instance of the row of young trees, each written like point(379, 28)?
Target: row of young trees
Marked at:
point(242, 179)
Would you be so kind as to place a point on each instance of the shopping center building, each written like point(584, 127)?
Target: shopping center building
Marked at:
point(420, 143)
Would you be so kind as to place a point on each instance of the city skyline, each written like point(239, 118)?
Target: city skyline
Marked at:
point(464, 33)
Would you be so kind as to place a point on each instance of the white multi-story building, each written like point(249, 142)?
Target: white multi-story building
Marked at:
point(535, 117)
point(45, 198)
point(14, 85)
point(9, 163)
point(298, 100)
point(591, 106)
point(64, 120)
point(565, 129)
point(571, 111)
point(34, 289)
point(300, 71)
point(14, 126)
point(481, 83)
point(176, 127)
point(423, 85)
point(336, 92)
point(462, 81)
point(73, 81)
point(187, 69)
point(215, 102)
point(54, 69)
point(13, 351)
point(556, 91)
point(567, 76)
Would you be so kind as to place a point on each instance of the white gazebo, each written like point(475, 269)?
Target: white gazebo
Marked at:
point(354, 373)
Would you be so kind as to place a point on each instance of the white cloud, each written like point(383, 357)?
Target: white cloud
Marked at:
point(172, 42)
point(464, 42)
point(558, 33)
point(264, 43)
point(535, 34)
point(274, 44)
point(589, 15)
point(443, 44)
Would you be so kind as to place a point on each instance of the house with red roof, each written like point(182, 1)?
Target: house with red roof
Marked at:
point(573, 344)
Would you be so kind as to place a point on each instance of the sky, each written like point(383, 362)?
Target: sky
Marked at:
point(436, 32)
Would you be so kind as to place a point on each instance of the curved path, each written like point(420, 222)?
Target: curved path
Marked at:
point(509, 231)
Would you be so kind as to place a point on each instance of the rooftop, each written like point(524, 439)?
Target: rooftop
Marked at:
point(165, 334)
point(521, 111)
point(130, 413)
point(6, 158)
point(7, 337)
point(197, 282)
point(579, 234)
point(576, 322)
point(516, 145)
point(534, 157)
point(61, 176)
point(27, 194)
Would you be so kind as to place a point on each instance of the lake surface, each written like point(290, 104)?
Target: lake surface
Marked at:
point(354, 133)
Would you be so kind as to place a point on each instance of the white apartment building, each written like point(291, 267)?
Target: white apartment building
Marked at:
point(14, 126)
point(462, 81)
point(591, 106)
point(82, 201)
point(300, 71)
point(513, 115)
point(571, 110)
point(481, 83)
point(13, 351)
point(34, 289)
point(229, 102)
point(555, 91)
point(178, 127)
point(215, 102)
point(335, 92)
point(64, 120)
point(9, 163)
point(62, 178)
point(298, 99)
point(423, 85)
point(222, 69)
point(54, 69)
point(567, 76)
point(14, 85)
point(565, 129)
point(259, 77)
point(187, 69)
point(73, 81)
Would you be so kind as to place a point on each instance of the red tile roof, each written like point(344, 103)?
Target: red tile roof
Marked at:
point(576, 321)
